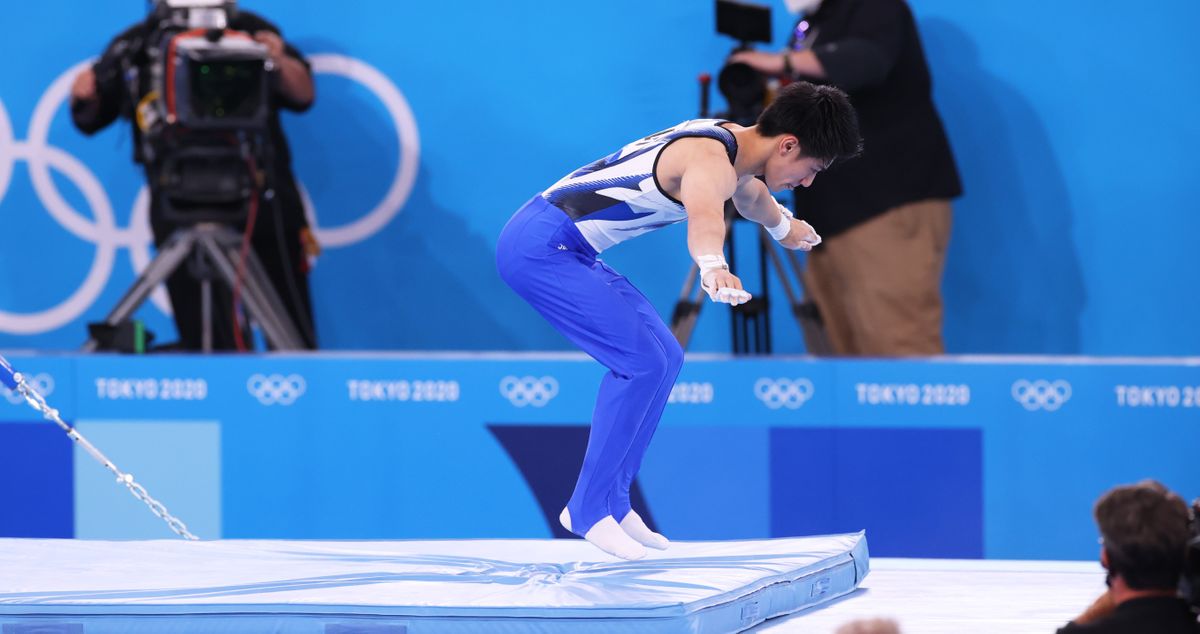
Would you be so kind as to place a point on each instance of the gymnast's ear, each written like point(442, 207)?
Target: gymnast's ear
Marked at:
point(789, 145)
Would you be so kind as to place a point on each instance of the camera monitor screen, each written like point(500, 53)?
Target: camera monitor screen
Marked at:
point(744, 21)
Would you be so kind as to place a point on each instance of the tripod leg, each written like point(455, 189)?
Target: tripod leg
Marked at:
point(807, 310)
point(268, 296)
point(262, 302)
point(804, 311)
point(225, 262)
point(206, 308)
point(687, 309)
point(169, 258)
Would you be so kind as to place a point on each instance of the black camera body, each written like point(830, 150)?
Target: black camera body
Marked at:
point(202, 110)
point(216, 80)
point(744, 88)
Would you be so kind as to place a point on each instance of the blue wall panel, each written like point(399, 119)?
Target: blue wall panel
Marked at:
point(917, 492)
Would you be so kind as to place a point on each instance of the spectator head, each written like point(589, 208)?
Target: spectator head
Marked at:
point(870, 626)
point(1144, 531)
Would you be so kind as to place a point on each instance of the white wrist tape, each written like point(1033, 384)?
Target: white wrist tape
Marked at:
point(709, 264)
point(781, 229)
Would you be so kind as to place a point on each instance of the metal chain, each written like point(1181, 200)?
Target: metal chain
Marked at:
point(16, 382)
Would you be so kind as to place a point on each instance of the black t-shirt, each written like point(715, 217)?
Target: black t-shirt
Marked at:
point(115, 99)
point(871, 49)
point(1151, 615)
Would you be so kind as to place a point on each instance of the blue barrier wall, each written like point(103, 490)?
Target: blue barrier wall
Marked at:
point(951, 458)
point(1071, 121)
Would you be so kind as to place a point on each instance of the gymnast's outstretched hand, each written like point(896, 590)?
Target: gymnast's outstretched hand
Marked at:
point(801, 236)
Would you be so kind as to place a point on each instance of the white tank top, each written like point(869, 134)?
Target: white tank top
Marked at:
point(618, 197)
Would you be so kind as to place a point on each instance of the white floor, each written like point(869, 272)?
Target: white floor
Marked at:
point(931, 596)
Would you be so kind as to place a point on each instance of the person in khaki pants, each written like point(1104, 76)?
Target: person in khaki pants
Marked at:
point(878, 284)
point(885, 216)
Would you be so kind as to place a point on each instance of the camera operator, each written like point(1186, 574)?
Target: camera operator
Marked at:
point(119, 83)
point(1144, 535)
point(885, 216)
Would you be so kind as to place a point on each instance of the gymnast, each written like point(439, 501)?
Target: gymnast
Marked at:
point(548, 254)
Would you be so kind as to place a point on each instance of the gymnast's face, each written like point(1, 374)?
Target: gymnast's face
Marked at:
point(787, 167)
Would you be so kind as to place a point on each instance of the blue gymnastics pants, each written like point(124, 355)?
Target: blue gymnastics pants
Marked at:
point(545, 259)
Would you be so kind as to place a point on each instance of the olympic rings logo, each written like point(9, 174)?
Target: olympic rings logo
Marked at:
point(276, 389)
point(108, 238)
point(789, 393)
point(528, 390)
point(41, 383)
point(1041, 394)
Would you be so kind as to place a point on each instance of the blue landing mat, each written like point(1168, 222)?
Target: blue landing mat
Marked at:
point(409, 587)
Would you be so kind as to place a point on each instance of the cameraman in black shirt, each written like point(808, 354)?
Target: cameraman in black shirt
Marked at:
point(282, 240)
point(885, 216)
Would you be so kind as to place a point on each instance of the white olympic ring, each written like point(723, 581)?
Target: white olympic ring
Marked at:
point(528, 390)
point(789, 393)
point(42, 383)
point(7, 148)
point(103, 231)
point(406, 136)
point(276, 388)
point(1041, 394)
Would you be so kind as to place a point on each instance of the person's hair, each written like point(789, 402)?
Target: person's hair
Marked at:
point(1144, 528)
point(869, 626)
point(821, 117)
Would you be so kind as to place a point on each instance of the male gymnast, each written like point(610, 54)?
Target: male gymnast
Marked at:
point(548, 254)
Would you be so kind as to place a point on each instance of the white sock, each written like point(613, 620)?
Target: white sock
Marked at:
point(608, 536)
point(637, 529)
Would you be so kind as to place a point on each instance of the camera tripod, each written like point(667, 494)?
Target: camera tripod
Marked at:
point(751, 323)
point(215, 248)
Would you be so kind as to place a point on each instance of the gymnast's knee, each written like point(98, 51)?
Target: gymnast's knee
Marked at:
point(673, 354)
point(658, 361)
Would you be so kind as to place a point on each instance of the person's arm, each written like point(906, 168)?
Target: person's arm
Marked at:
point(295, 77)
point(754, 202)
point(803, 63)
point(98, 90)
point(85, 103)
point(863, 57)
point(1102, 607)
point(706, 182)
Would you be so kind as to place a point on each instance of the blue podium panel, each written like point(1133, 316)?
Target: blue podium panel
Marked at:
point(177, 461)
point(949, 457)
point(919, 492)
point(53, 376)
point(36, 494)
point(706, 482)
